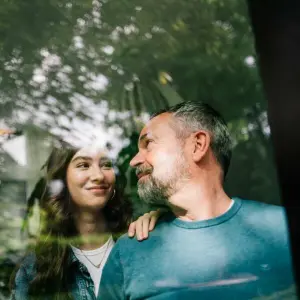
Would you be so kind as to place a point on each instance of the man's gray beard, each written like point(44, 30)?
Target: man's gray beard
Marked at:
point(153, 192)
point(156, 192)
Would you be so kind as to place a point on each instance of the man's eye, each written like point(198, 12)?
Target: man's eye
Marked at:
point(148, 142)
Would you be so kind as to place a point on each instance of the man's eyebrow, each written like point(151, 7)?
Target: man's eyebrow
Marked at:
point(143, 137)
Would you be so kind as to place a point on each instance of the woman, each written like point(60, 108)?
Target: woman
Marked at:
point(83, 212)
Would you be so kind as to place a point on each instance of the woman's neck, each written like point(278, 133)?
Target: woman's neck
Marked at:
point(91, 228)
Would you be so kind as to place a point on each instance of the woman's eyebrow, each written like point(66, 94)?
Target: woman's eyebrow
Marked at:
point(105, 159)
point(81, 158)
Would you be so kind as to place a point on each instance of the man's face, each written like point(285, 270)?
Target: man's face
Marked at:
point(160, 164)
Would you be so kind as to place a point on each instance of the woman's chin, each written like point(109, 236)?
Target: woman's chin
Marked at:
point(95, 204)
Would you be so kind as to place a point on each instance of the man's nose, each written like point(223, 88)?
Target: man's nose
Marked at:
point(137, 160)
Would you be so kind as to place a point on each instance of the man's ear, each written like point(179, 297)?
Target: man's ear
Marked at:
point(201, 142)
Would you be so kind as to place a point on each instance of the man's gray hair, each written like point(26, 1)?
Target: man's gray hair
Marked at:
point(194, 116)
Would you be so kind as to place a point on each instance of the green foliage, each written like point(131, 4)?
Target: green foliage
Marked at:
point(201, 44)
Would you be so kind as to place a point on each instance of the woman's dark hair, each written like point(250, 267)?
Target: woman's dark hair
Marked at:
point(52, 247)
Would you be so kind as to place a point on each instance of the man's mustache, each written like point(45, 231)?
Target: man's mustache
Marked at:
point(143, 170)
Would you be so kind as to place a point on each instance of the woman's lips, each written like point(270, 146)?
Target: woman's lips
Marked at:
point(98, 190)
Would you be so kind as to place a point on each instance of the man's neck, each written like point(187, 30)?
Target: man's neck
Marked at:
point(197, 201)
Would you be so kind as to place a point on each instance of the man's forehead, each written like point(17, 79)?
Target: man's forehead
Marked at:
point(158, 123)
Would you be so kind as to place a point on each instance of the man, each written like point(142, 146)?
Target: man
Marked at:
point(210, 246)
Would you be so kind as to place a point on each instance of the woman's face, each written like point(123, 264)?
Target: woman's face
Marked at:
point(90, 179)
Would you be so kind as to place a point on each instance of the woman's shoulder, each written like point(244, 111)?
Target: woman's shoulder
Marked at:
point(27, 268)
point(29, 260)
point(25, 274)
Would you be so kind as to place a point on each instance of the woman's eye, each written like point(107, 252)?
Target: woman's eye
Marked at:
point(82, 165)
point(107, 165)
